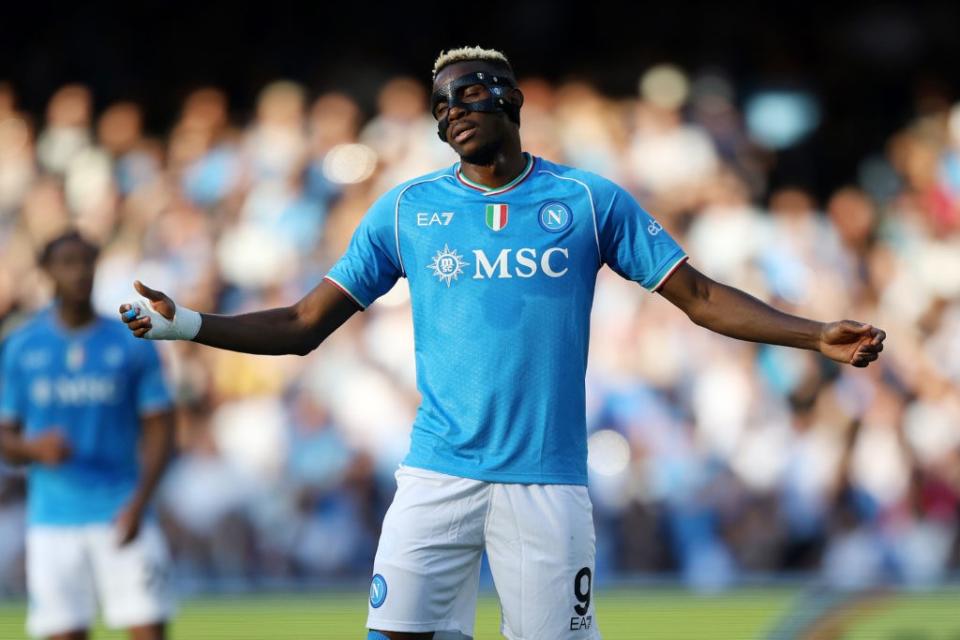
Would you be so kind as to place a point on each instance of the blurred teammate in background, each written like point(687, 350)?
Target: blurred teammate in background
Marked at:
point(501, 253)
point(78, 397)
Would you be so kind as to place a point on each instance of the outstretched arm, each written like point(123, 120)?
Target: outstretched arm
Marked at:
point(734, 313)
point(297, 329)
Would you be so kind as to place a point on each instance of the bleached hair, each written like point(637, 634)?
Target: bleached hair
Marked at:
point(469, 54)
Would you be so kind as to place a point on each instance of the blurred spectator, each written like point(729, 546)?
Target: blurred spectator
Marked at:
point(708, 457)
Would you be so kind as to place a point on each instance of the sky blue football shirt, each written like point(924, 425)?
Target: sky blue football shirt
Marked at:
point(501, 284)
point(93, 384)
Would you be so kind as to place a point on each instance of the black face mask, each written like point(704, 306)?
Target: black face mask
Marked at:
point(496, 102)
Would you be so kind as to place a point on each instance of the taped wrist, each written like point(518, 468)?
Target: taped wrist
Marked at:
point(184, 326)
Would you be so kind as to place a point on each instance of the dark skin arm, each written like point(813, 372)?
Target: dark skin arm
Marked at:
point(156, 447)
point(49, 448)
point(733, 313)
point(297, 329)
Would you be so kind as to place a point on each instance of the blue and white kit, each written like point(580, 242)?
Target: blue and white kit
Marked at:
point(501, 283)
point(93, 384)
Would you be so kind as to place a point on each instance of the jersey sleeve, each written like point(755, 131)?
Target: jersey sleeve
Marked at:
point(11, 392)
point(371, 265)
point(152, 394)
point(631, 241)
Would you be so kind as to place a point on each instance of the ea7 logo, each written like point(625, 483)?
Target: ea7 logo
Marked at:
point(426, 219)
point(522, 264)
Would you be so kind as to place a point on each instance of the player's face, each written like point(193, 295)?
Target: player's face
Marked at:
point(71, 266)
point(474, 135)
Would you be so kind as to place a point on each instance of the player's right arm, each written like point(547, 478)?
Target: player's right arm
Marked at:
point(368, 269)
point(49, 447)
point(297, 329)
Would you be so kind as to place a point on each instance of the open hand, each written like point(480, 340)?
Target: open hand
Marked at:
point(851, 342)
point(141, 323)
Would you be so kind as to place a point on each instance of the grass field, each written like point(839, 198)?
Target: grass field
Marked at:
point(658, 614)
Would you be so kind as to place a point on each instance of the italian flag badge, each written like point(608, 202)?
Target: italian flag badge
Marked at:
point(496, 216)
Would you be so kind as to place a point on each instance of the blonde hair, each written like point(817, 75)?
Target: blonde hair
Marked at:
point(469, 54)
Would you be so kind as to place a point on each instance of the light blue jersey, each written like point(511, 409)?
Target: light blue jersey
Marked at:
point(501, 284)
point(93, 384)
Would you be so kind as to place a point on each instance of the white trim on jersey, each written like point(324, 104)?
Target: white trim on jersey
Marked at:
point(669, 272)
point(342, 288)
point(593, 210)
point(396, 215)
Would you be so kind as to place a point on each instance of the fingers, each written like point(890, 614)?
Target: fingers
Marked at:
point(128, 313)
point(864, 360)
point(139, 325)
point(861, 328)
point(869, 350)
point(870, 347)
point(147, 292)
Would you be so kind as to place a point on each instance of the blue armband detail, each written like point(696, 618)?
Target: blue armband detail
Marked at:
point(376, 635)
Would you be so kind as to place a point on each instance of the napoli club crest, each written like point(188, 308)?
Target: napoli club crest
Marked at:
point(378, 591)
point(555, 217)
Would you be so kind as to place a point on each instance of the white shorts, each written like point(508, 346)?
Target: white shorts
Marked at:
point(71, 568)
point(539, 541)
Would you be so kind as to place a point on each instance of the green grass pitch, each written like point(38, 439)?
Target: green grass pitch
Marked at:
point(623, 614)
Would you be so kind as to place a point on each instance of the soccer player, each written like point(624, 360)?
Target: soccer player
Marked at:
point(501, 253)
point(77, 396)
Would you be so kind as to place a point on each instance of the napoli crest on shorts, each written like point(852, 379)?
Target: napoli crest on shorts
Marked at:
point(555, 216)
point(378, 591)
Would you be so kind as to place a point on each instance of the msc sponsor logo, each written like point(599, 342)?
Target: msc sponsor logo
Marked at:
point(523, 263)
point(378, 591)
point(448, 265)
point(74, 391)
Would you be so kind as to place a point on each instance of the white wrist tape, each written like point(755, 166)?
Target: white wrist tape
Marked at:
point(184, 326)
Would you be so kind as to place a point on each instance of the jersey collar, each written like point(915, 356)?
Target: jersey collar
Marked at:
point(487, 191)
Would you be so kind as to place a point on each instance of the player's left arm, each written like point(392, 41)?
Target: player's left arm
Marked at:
point(156, 449)
point(731, 312)
point(157, 428)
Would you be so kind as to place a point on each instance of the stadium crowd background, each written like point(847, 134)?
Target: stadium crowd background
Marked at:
point(710, 459)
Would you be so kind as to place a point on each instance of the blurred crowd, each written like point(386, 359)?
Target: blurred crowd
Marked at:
point(711, 459)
